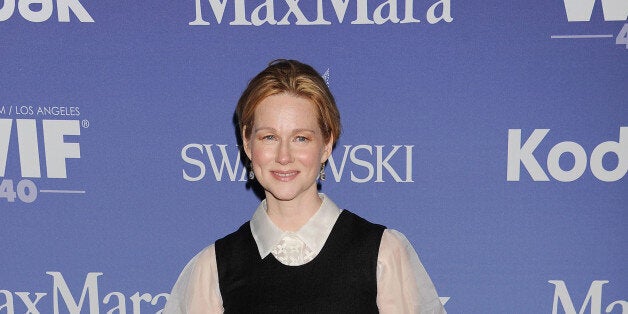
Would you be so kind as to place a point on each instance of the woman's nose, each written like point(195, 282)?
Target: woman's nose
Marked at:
point(284, 155)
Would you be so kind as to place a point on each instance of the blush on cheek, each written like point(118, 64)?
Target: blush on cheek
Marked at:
point(260, 155)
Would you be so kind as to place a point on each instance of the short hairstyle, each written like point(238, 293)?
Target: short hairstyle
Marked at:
point(294, 78)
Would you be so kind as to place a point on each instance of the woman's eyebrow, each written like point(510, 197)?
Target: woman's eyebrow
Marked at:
point(275, 130)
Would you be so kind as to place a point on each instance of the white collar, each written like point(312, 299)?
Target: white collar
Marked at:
point(314, 233)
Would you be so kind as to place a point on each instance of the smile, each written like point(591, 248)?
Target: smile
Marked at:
point(284, 175)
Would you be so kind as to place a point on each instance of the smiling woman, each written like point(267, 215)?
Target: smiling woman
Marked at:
point(287, 151)
point(300, 252)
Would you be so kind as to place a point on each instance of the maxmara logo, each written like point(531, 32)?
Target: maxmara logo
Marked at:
point(593, 299)
point(20, 142)
point(61, 300)
point(358, 163)
point(523, 154)
point(89, 301)
point(312, 12)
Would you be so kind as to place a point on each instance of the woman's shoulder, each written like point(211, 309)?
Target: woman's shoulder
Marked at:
point(207, 253)
point(243, 231)
point(197, 285)
point(394, 244)
point(204, 257)
point(396, 237)
point(355, 218)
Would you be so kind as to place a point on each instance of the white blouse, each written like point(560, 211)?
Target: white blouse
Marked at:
point(403, 285)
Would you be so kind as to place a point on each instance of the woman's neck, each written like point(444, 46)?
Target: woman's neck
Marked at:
point(293, 214)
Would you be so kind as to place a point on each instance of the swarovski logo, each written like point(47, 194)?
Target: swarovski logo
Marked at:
point(360, 163)
point(267, 12)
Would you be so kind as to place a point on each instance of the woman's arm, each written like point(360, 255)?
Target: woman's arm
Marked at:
point(197, 290)
point(403, 285)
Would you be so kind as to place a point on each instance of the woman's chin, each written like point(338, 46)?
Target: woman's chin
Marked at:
point(286, 195)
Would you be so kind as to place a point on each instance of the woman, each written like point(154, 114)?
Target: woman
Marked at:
point(300, 252)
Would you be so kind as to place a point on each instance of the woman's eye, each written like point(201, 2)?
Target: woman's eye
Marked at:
point(301, 139)
point(268, 137)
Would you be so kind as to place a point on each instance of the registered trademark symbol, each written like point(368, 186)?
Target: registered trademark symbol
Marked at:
point(85, 123)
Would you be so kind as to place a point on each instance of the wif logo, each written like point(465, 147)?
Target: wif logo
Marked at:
point(581, 10)
point(55, 149)
point(56, 152)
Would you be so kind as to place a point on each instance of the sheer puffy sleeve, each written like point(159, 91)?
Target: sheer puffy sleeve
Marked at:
point(403, 285)
point(197, 290)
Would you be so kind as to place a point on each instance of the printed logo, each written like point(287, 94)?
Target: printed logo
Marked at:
point(593, 299)
point(90, 299)
point(293, 11)
point(41, 11)
point(358, 163)
point(64, 302)
point(523, 154)
point(582, 10)
point(22, 135)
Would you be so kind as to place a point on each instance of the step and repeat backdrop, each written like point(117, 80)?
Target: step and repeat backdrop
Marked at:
point(493, 134)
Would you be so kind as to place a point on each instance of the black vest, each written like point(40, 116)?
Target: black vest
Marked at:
point(340, 279)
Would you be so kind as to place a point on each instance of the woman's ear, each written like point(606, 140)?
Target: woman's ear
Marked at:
point(327, 149)
point(246, 143)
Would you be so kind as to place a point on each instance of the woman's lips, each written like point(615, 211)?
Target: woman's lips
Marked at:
point(284, 175)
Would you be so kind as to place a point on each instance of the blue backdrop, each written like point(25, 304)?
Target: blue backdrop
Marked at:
point(493, 134)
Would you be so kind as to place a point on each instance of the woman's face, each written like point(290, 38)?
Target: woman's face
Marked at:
point(286, 147)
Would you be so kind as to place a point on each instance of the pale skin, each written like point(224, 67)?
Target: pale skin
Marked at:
point(286, 149)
